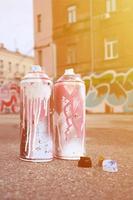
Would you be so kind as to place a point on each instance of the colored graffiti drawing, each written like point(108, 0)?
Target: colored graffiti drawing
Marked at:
point(109, 92)
point(10, 98)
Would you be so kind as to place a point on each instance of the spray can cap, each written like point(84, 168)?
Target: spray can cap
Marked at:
point(36, 68)
point(69, 71)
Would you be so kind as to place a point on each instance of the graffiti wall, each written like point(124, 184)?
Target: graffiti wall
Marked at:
point(109, 92)
point(9, 98)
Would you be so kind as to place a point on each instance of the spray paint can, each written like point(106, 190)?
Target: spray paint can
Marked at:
point(36, 138)
point(69, 116)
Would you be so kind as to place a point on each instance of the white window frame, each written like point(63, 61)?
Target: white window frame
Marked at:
point(109, 45)
point(72, 14)
point(110, 6)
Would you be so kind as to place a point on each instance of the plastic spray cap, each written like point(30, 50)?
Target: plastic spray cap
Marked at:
point(69, 71)
point(36, 68)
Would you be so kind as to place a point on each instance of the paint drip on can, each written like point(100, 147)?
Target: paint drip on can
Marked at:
point(36, 136)
point(69, 116)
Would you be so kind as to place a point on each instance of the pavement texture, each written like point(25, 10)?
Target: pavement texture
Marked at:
point(107, 135)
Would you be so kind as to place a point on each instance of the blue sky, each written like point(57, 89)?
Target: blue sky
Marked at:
point(16, 25)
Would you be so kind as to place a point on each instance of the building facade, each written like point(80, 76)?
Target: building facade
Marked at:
point(45, 50)
point(89, 36)
point(13, 65)
point(112, 30)
point(71, 34)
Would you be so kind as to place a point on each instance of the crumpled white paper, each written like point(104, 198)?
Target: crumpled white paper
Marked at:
point(110, 166)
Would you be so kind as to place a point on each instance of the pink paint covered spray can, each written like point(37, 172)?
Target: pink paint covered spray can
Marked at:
point(69, 116)
point(36, 136)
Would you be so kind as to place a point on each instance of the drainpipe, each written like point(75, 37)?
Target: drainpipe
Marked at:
point(91, 36)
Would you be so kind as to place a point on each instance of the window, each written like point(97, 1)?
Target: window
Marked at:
point(72, 14)
point(10, 67)
point(111, 49)
point(39, 23)
point(40, 57)
point(1, 64)
point(71, 54)
point(110, 6)
point(24, 67)
point(17, 67)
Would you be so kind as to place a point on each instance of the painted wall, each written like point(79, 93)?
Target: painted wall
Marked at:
point(109, 92)
point(9, 98)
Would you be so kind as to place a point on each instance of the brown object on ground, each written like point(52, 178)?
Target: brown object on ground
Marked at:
point(85, 162)
point(100, 160)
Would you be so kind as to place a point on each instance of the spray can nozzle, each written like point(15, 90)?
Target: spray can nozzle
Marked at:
point(36, 68)
point(69, 71)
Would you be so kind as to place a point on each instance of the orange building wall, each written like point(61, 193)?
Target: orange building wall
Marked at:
point(87, 35)
point(119, 26)
point(43, 39)
point(66, 34)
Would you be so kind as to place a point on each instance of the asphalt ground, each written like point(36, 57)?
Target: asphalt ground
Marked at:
point(107, 135)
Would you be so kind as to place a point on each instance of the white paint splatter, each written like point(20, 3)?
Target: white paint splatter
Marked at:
point(37, 94)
